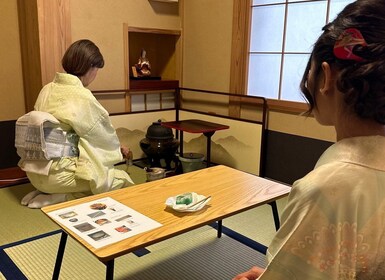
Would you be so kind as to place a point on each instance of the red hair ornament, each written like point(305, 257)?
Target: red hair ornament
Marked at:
point(343, 48)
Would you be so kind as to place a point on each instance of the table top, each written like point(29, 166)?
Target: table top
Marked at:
point(232, 191)
point(195, 126)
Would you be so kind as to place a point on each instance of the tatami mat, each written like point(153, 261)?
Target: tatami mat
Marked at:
point(195, 255)
point(257, 224)
point(20, 222)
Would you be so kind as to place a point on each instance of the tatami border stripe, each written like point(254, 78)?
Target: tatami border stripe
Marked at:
point(7, 267)
point(30, 239)
point(10, 271)
point(241, 238)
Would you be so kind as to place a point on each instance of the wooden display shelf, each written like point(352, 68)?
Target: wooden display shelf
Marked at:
point(141, 85)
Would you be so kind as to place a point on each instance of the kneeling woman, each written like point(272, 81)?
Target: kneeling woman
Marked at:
point(82, 162)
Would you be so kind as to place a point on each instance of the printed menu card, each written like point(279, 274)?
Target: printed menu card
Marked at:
point(104, 221)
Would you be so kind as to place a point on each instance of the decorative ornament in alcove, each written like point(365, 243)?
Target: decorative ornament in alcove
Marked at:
point(143, 67)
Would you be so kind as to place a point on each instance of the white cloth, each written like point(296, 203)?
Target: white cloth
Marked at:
point(333, 226)
point(39, 139)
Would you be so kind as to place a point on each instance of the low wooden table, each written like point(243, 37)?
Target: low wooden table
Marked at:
point(196, 126)
point(232, 192)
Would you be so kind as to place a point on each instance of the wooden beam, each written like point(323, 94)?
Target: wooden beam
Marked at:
point(239, 53)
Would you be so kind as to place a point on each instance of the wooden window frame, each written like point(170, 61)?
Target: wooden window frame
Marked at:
point(240, 59)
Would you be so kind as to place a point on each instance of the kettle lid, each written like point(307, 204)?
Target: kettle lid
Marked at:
point(158, 131)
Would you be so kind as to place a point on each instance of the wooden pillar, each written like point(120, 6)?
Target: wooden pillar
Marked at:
point(45, 34)
point(239, 53)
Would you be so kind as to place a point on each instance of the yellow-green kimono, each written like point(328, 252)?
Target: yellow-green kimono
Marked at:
point(93, 170)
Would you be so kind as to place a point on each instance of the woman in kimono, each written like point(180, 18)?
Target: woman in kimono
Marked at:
point(333, 226)
point(90, 149)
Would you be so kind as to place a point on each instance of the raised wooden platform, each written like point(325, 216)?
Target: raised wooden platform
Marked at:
point(12, 176)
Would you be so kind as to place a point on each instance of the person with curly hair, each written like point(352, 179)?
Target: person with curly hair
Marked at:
point(333, 226)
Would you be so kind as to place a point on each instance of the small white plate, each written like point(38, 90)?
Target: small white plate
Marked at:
point(171, 202)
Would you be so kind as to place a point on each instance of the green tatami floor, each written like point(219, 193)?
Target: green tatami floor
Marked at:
point(29, 241)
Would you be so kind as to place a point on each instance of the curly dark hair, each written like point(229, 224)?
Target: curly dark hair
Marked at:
point(362, 83)
point(81, 56)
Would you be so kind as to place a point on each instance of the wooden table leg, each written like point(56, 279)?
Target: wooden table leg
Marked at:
point(59, 256)
point(110, 270)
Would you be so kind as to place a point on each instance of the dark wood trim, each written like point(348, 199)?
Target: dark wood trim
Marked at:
point(12, 176)
point(154, 30)
point(144, 85)
point(8, 154)
point(286, 106)
point(141, 112)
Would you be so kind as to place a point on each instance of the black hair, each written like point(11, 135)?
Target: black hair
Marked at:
point(361, 82)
